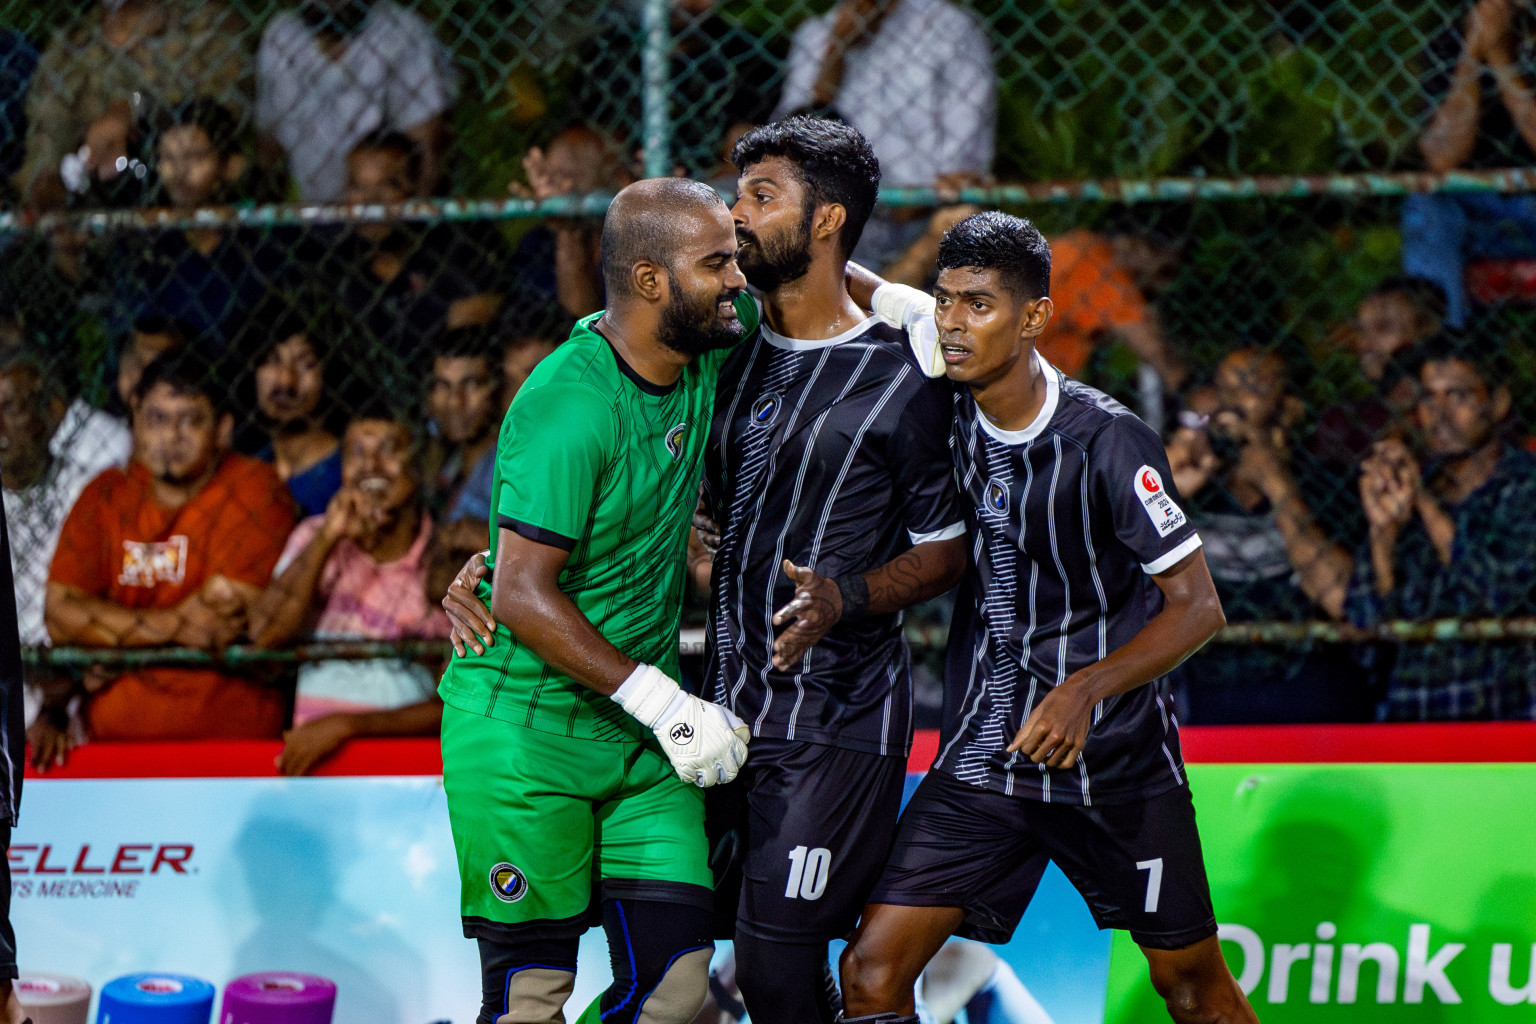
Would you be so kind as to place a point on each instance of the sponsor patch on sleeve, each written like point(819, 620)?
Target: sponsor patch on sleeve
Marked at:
point(1160, 508)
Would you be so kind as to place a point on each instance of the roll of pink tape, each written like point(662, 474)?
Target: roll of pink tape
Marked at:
point(54, 998)
point(278, 997)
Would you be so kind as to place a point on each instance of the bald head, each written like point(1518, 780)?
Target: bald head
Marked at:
point(653, 221)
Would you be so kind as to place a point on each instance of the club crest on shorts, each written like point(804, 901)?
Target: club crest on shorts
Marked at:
point(508, 883)
point(997, 497)
point(675, 439)
point(766, 409)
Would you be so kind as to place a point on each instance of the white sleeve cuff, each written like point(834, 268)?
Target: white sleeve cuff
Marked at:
point(1172, 558)
point(949, 532)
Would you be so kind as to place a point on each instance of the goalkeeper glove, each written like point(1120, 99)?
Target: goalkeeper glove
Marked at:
point(911, 310)
point(705, 742)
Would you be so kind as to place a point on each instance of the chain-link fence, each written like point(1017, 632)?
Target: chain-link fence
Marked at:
point(371, 209)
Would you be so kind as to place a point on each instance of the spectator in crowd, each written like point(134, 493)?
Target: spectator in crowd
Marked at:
point(520, 353)
point(1393, 317)
point(138, 53)
point(297, 388)
point(211, 279)
point(463, 388)
point(1455, 538)
point(559, 262)
point(360, 571)
point(152, 337)
point(172, 550)
point(46, 462)
point(400, 283)
point(335, 72)
point(1252, 497)
point(719, 73)
point(1480, 78)
point(49, 451)
point(916, 77)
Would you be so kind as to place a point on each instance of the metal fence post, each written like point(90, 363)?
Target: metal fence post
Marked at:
point(656, 68)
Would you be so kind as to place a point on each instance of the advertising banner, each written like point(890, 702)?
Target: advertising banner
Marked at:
point(1379, 893)
point(354, 879)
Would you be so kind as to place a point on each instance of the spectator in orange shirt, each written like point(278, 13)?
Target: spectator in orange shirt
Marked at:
point(1094, 287)
point(173, 550)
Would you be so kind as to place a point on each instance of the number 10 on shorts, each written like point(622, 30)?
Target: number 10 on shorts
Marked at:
point(808, 871)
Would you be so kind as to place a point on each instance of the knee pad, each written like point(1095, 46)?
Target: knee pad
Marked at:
point(526, 980)
point(660, 953)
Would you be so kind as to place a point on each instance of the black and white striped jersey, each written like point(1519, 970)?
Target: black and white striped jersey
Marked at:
point(1068, 520)
point(835, 455)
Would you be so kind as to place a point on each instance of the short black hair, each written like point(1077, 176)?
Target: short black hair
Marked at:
point(1427, 296)
point(835, 161)
point(641, 224)
point(378, 406)
point(213, 117)
point(396, 142)
point(1486, 358)
point(1011, 245)
point(472, 342)
point(188, 372)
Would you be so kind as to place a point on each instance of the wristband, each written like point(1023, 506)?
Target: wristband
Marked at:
point(855, 594)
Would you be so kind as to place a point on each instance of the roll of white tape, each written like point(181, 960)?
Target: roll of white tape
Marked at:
point(54, 998)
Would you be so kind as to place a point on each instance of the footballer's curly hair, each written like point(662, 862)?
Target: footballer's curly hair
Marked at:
point(999, 241)
point(835, 162)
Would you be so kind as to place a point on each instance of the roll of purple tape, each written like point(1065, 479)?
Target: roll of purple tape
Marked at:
point(278, 997)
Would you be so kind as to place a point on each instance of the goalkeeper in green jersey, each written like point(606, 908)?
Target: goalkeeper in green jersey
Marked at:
point(573, 762)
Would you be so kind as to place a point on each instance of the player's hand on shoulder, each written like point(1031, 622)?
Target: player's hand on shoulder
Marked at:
point(816, 607)
point(473, 626)
point(706, 743)
point(1057, 729)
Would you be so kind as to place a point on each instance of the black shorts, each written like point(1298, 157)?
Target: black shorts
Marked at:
point(798, 840)
point(1137, 865)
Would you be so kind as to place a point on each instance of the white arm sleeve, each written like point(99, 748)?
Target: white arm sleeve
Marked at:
point(912, 310)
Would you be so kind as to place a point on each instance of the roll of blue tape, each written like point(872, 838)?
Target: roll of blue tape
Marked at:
point(156, 999)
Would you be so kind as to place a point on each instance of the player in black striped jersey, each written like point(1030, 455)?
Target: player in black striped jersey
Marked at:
point(1086, 586)
point(829, 474)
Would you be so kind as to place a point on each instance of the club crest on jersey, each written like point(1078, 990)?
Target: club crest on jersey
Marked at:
point(1166, 516)
point(508, 883)
point(997, 497)
point(675, 439)
point(766, 409)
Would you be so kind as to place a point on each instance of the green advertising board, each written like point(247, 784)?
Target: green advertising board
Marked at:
point(1365, 892)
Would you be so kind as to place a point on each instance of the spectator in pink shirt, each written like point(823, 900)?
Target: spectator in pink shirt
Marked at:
point(360, 571)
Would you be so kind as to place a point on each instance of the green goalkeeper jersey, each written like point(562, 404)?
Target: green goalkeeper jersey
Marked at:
point(594, 459)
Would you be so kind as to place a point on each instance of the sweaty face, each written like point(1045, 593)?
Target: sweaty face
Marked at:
point(773, 215)
point(377, 176)
point(980, 325)
point(189, 165)
point(1456, 412)
point(290, 382)
point(376, 461)
point(461, 397)
point(177, 436)
point(703, 284)
point(24, 431)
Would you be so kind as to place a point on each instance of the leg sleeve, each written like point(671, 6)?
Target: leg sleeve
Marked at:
point(660, 953)
point(786, 983)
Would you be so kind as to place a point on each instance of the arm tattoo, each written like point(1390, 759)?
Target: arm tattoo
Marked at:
point(916, 575)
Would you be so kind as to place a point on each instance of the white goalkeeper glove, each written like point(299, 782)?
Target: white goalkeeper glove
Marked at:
point(911, 310)
point(705, 742)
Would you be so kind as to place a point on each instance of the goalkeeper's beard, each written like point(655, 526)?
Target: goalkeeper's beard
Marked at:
point(693, 326)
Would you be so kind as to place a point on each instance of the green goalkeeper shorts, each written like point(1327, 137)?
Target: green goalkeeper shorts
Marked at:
point(538, 818)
